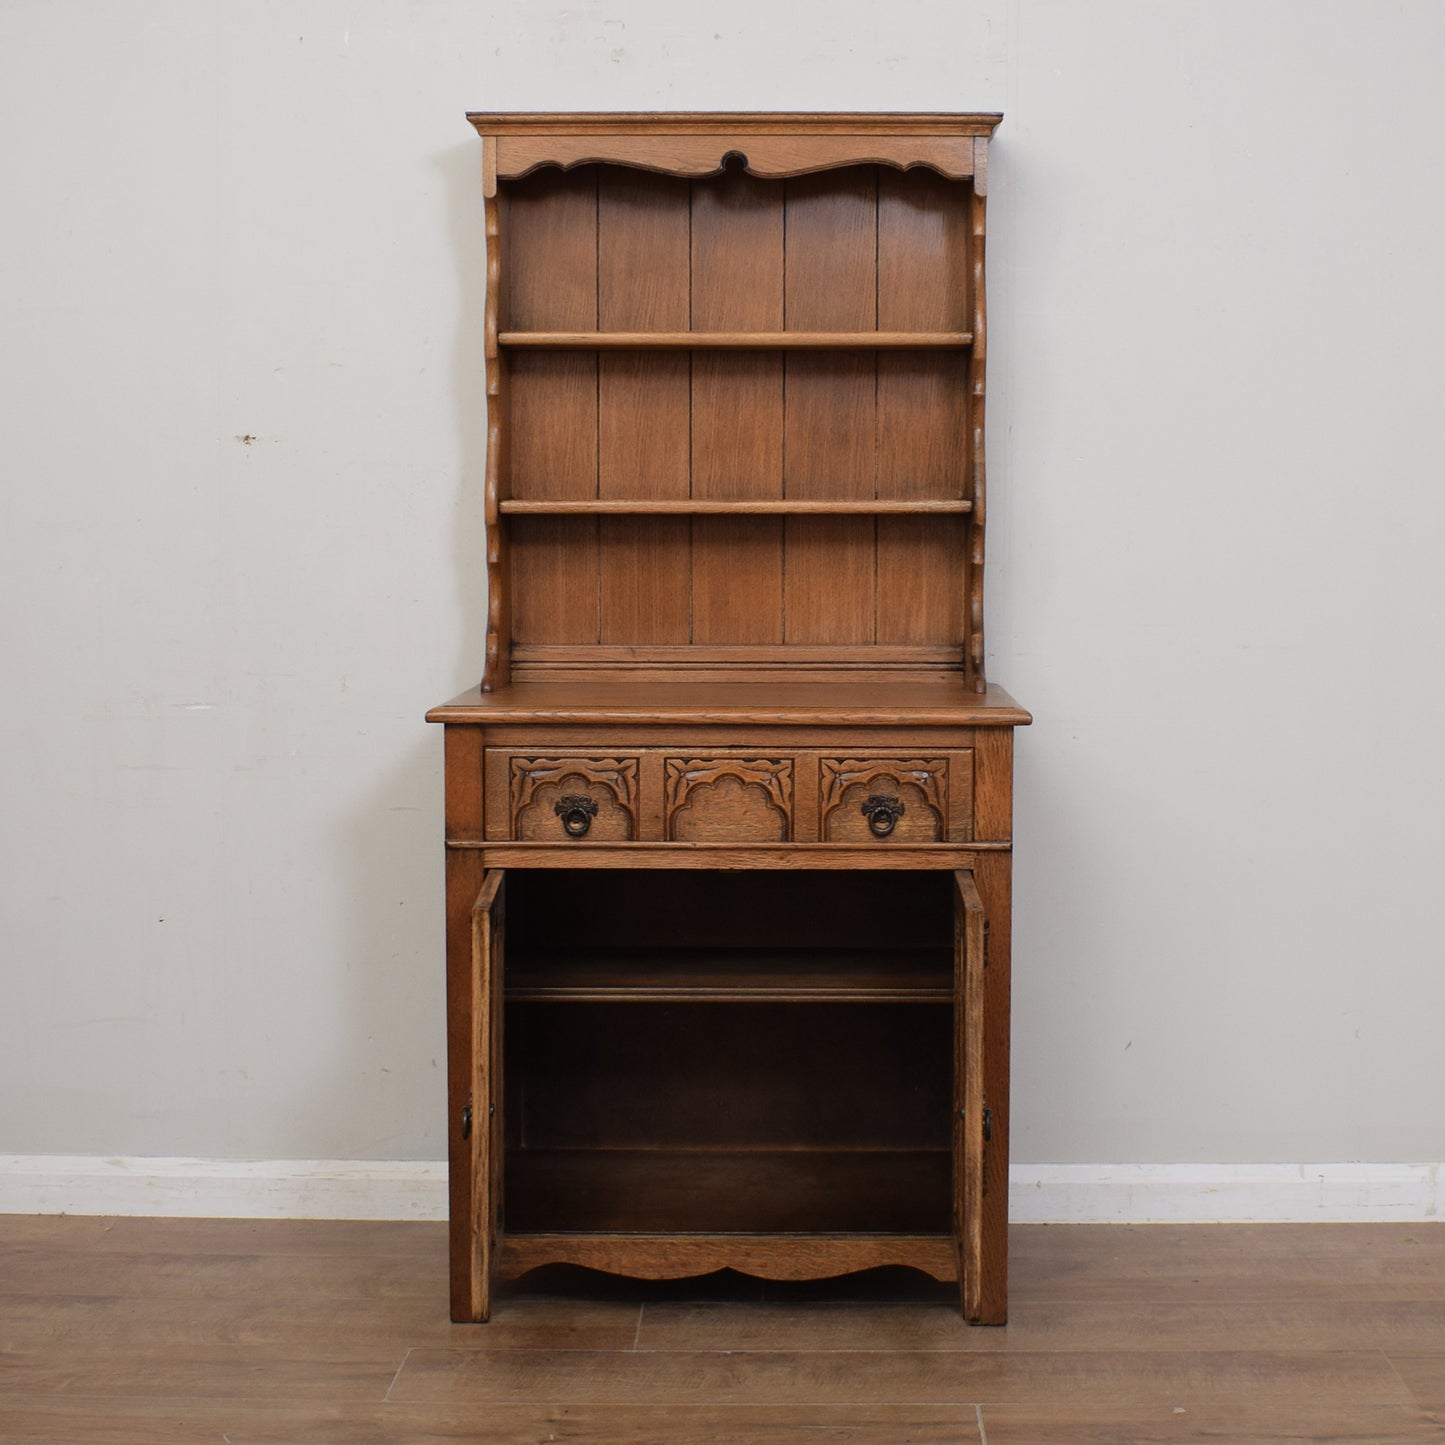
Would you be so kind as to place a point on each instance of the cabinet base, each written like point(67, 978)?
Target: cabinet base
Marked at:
point(770, 1256)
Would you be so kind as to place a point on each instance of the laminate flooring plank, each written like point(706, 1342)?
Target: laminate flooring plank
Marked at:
point(1242, 1263)
point(1332, 1378)
point(1308, 1325)
point(130, 1233)
point(276, 1277)
point(1222, 1423)
point(45, 1420)
point(45, 1323)
point(271, 1372)
point(1424, 1374)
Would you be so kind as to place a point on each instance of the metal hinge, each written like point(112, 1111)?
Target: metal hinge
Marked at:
point(987, 1125)
point(466, 1121)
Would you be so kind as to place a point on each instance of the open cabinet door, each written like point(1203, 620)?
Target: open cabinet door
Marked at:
point(970, 1120)
point(485, 1117)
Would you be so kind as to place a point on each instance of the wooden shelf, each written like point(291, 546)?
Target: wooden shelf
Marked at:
point(873, 1190)
point(736, 340)
point(698, 507)
point(732, 976)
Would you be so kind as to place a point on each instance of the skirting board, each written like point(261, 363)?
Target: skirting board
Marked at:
point(399, 1189)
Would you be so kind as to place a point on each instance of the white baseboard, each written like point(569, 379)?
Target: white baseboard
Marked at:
point(223, 1188)
point(1222, 1193)
point(399, 1189)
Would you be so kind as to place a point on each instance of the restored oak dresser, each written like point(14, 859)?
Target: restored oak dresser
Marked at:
point(728, 819)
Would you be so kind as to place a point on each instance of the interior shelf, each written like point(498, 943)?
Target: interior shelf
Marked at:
point(736, 340)
point(722, 975)
point(645, 1190)
point(697, 507)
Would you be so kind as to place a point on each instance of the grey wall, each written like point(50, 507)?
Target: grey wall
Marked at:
point(1214, 575)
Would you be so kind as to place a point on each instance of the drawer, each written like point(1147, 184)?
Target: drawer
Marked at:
point(727, 799)
point(676, 794)
point(557, 799)
point(892, 799)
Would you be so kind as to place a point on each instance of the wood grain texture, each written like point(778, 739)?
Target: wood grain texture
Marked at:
point(830, 438)
point(550, 240)
point(644, 406)
point(991, 991)
point(983, 1300)
point(465, 870)
point(39, 1420)
point(463, 776)
point(538, 787)
point(977, 390)
point(737, 283)
point(761, 339)
point(923, 248)
point(767, 156)
point(1423, 1374)
point(1298, 1419)
point(907, 701)
point(281, 1331)
point(497, 671)
point(728, 799)
point(698, 507)
point(734, 122)
point(919, 786)
point(865, 1376)
point(481, 1124)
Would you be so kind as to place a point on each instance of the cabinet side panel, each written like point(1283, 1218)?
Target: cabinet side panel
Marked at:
point(922, 406)
point(737, 409)
point(550, 244)
point(830, 437)
point(993, 872)
point(465, 869)
point(644, 404)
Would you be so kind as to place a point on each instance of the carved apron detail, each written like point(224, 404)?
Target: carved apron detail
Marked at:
point(729, 799)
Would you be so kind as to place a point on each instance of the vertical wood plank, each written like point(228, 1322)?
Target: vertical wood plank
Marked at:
point(923, 227)
point(550, 241)
point(737, 409)
point(464, 880)
point(485, 1094)
point(643, 437)
point(977, 388)
point(993, 875)
point(970, 1168)
point(497, 671)
point(830, 435)
point(993, 762)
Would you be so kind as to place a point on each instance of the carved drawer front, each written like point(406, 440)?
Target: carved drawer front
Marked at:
point(883, 800)
point(728, 800)
point(557, 799)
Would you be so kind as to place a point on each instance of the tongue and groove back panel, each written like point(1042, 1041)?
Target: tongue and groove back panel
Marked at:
point(861, 248)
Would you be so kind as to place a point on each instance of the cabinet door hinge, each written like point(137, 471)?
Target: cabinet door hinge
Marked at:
point(987, 1125)
point(466, 1121)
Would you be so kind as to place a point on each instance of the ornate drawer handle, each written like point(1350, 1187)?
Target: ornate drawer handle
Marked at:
point(883, 812)
point(576, 810)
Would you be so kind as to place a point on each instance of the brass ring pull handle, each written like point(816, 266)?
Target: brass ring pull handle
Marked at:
point(883, 812)
point(576, 810)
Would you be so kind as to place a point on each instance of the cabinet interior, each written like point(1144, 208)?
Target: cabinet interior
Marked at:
point(745, 1104)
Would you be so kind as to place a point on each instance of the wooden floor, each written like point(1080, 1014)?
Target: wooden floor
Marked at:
point(147, 1331)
